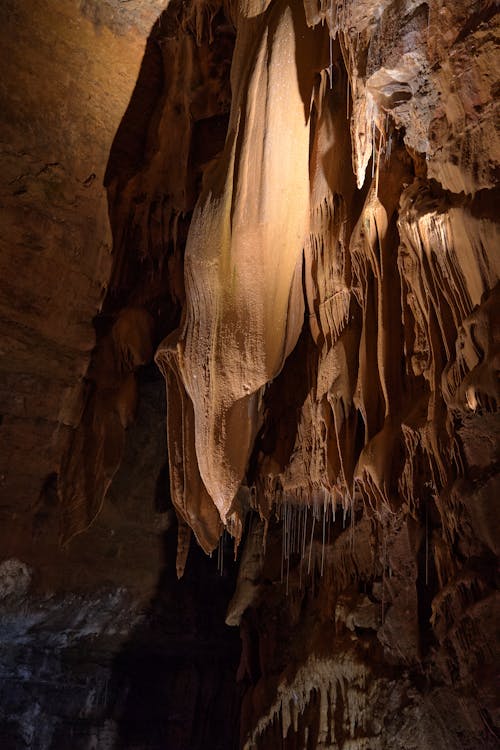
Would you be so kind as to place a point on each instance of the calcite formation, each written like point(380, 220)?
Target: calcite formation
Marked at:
point(337, 191)
point(303, 199)
point(357, 186)
point(243, 260)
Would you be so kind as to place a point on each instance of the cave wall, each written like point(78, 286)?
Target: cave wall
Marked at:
point(101, 645)
point(69, 70)
point(302, 215)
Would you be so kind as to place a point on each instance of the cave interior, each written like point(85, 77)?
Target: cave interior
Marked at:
point(249, 375)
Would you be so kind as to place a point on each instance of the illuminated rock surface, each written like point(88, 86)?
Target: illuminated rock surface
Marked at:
point(303, 206)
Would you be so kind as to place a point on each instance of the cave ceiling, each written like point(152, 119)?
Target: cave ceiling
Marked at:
point(289, 209)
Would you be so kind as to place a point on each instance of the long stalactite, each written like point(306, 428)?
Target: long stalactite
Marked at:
point(311, 207)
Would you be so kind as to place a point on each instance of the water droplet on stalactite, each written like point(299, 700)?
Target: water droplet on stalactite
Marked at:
point(330, 68)
point(311, 544)
point(352, 526)
point(373, 148)
point(287, 573)
point(220, 557)
point(282, 546)
point(426, 544)
point(303, 545)
point(377, 168)
point(323, 544)
point(384, 563)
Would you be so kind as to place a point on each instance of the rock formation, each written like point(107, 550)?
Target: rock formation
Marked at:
point(303, 205)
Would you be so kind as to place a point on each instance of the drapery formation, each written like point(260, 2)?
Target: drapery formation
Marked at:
point(388, 265)
point(243, 270)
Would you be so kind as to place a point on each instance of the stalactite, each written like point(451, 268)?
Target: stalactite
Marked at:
point(360, 404)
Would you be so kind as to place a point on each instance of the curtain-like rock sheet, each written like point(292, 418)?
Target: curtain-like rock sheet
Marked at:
point(400, 412)
point(368, 630)
point(348, 186)
point(96, 449)
point(243, 263)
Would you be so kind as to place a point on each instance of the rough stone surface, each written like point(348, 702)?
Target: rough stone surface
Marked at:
point(302, 207)
point(69, 69)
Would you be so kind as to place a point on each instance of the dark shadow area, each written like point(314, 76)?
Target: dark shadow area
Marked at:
point(427, 582)
point(173, 128)
point(174, 681)
point(283, 400)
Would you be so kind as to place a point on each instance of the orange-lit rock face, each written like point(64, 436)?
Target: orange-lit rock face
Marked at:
point(303, 206)
point(393, 264)
point(397, 357)
point(69, 70)
point(244, 303)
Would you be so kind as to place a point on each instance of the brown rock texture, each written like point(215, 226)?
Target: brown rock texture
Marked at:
point(371, 415)
point(69, 69)
point(303, 212)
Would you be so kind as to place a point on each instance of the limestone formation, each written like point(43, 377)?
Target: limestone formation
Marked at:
point(399, 265)
point(303, 202)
